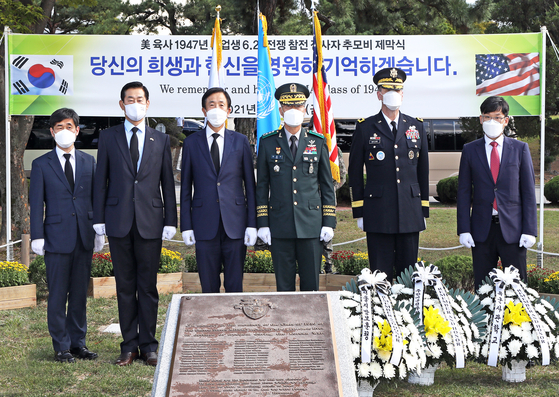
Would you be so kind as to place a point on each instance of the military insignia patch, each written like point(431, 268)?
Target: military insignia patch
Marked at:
point(311, 147)
point(411, 155)
point(374, 140)
point(371, 157)
point(276, 168)
point(380, 156)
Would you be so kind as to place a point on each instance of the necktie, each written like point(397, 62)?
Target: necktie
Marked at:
point(69, 171)
point(134, 152)
point(214, 151)
point(293, 145)
point(394, 129)
point(495, 165)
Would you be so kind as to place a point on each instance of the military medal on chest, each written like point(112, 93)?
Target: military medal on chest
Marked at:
point(276, 168)
point(311, 147)
point(412, 133)
point(311, 169)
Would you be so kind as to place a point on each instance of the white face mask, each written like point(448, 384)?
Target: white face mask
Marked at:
point(135, 111)
point(493, 129)
point(293, 117)
point(65, 138)
point(392, 100)
point(216, 117)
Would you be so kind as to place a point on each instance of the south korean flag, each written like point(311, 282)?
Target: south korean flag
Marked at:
point(42, 74)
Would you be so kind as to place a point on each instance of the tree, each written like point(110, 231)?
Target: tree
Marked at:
point(24, 17)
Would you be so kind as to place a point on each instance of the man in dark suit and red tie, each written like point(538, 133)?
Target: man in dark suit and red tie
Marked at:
point(220, 218)
point(61, 188)
point(135, 206)
point(498, 170)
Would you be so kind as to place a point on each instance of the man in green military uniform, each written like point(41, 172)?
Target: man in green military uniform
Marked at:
point(295, 200)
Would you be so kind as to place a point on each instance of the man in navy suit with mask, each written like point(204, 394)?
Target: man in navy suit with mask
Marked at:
point(221, 216)
point(135, 206)
point(498, 171)
point(61, 189)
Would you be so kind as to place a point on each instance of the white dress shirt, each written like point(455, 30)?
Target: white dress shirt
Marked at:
point(60, 153)
point(220, 140)
point(141, 137)
point(390, 121)
point(489, 149)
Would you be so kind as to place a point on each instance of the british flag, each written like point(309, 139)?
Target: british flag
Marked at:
point(508, 74)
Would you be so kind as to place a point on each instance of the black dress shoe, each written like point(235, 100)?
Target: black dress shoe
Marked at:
point(64, 357)
point(126, 358)
point(83, 353)
point(149, 358)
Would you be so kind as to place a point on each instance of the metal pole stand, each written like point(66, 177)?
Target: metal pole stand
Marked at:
point(539, 259)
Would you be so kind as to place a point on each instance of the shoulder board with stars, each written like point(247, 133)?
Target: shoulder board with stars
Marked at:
point(316, 134)
point(419, 119)
point(271, 133)
point(360, 120)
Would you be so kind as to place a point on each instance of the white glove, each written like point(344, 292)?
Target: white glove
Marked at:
point(326, 234)
point(98, 243)
point(527, 241)
point(265, 235)
point(188, 237)
point(250, 236)
point(99, 229)
point(360, 223)
point(467, 240)
point(38, 246)
point(168, 232)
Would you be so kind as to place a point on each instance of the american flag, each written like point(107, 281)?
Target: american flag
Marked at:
point(508, 74)
point(323, 117)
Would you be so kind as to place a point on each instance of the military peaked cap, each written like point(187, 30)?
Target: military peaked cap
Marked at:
point(292, 94)
point(390, 78)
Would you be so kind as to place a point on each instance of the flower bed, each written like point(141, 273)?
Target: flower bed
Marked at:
point(15, 292)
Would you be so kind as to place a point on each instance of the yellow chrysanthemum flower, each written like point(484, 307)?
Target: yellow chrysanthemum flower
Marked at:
point(434, 322)
point(515, 314)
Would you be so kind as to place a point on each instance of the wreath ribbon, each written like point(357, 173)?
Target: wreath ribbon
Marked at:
point(501, 279)
point(370, 283)
point(431, 276)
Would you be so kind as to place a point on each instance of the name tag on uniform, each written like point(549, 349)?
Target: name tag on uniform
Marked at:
point(374, 140)
point(276, 156)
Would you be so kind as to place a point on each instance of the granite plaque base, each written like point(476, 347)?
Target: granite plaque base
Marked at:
point(273, 344)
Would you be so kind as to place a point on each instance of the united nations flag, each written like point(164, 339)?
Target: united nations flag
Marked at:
point(268, 112)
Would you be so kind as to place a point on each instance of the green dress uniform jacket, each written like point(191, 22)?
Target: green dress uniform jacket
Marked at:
point(294, 197)
point(395, 198)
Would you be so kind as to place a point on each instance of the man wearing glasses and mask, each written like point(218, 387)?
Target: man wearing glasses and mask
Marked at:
point(391, 206)
point(498, 169)
point(295, 202)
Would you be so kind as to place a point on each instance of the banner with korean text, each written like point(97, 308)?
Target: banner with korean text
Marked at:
point(448, 76)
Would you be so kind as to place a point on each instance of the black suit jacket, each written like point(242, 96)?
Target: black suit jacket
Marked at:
point(50, 194)
point(395, 198)
point(120, 194)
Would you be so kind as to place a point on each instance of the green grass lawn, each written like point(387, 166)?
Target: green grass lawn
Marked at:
point(27, 367)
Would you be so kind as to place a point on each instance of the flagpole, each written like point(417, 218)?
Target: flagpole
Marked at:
point(542, 147)
point(8, 197)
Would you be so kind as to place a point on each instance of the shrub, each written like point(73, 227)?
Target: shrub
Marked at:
point(457, 271)
point(349, 263)
point(13, 274)
point(170, 262)
point(258, 262)
point(551, 190)
point(102, 265)
point(190, 264)
point(447, 190)
point(38, 273)
point(543, 280)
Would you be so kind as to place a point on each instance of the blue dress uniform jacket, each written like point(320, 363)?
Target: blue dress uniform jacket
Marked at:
point(395, 198)
point(294, 197)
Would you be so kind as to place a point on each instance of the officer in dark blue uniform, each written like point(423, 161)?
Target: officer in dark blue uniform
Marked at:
point(393, 203)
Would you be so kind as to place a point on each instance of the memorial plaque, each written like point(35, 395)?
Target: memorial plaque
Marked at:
point(261, 345)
